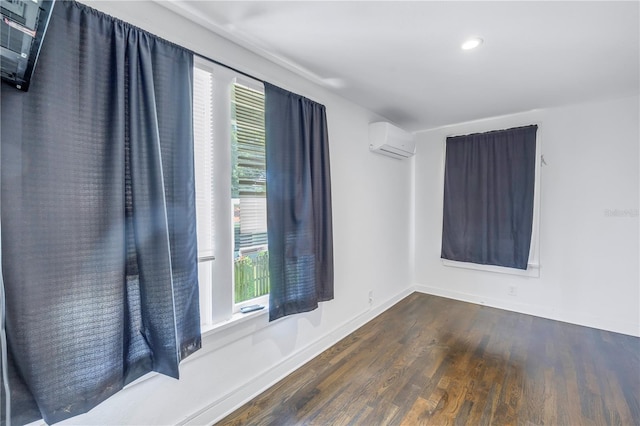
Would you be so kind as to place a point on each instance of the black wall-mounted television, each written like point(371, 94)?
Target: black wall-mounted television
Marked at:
point(22, 29)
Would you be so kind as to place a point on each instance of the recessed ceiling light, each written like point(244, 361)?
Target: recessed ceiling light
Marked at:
point(471, 43)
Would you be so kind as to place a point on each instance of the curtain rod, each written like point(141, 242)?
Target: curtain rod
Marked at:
point(229, 67)
point(245, 74)
point(90, 8)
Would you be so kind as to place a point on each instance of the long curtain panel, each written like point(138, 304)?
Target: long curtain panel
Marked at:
point(488, 197)
point(300, 232)
point(98, 216)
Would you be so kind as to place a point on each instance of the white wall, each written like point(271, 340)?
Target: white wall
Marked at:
point(589, 260)
point(368, 191)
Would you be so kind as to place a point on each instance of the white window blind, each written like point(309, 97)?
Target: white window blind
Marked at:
point(253, 215)
point(249, 171)
point(203, 152)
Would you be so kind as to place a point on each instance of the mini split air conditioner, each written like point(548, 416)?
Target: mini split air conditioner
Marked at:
point(389, 140)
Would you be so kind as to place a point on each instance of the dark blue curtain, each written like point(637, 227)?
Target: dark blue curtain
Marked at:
point(98, 216)
point(299, 220)
point(488, 197)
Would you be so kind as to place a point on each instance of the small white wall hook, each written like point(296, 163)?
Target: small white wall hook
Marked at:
point(544, 163)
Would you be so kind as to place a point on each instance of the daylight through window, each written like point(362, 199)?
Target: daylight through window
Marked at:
point(249, 194)
point(230, 170)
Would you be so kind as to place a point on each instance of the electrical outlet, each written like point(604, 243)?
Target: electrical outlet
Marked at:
point(512, 291)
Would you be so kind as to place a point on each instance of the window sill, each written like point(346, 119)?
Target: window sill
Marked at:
point(226, 332)
point(236, 319)
point(532, 270)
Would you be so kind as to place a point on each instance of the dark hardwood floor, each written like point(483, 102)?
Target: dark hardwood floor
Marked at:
point(435, 361)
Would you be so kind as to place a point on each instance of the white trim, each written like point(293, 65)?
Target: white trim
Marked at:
point(217, 306)
point(542, 311)
point(532, 270)
point(252, 44)
point(226, 404)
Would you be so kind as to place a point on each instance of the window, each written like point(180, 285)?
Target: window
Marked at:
point(491, 201)
point(229, 138)
point(249, 194)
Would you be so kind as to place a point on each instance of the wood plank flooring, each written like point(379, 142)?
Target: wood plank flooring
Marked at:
point(435, 361)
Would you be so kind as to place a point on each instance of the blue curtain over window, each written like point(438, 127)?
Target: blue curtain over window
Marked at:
point(298, 203)
point(98, 216)
point(488, 197)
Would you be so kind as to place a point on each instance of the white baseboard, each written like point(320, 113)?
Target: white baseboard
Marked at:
point(226, 404)
point(234, 399)
point(572, 317)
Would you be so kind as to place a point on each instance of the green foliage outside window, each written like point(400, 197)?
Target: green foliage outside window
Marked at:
point(251, 276)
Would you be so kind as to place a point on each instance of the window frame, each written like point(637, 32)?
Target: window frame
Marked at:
point(215, 273)
point(264, 299)
point(533, 264)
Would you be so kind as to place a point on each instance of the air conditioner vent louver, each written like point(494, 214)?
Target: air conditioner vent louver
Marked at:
point(23, 25)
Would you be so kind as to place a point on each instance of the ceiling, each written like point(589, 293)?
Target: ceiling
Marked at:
point(403, 60)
